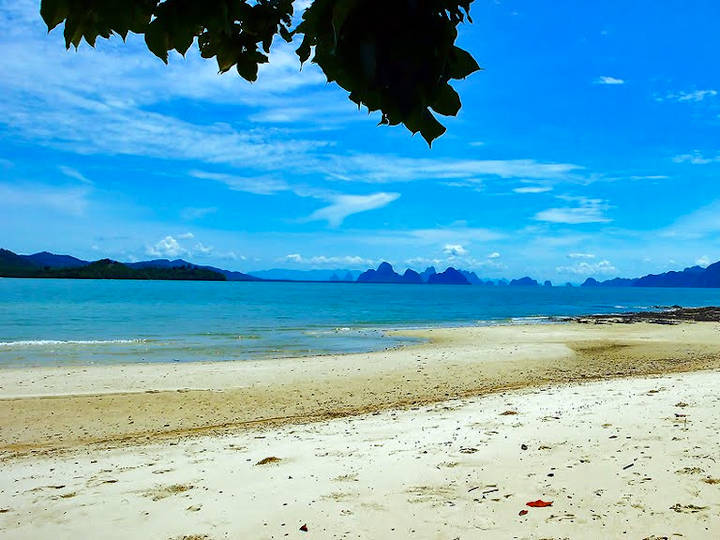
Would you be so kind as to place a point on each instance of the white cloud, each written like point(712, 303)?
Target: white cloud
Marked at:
point(203, 249)
point(703, 261)
point(585, 268)
point(532, 189)
point(454, 250)
point(387, 168)
point(191, 213)
point(74, 173)
point(581, 255)
point(261, 185)
point(167, 247)
point(696, 158)
point(691, 96)
point(464, 234)
point(609, 80)
point(703, 222)
point(585, 211)
point(346, 205)
point(494, 255)
point(322, 260)
point(65, 200)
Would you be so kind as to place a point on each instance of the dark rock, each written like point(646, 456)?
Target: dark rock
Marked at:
point(383, 274)
point(429, 271)
point(449, 277)
point(524, 282)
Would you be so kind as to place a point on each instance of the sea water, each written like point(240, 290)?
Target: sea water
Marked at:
point(61, 322)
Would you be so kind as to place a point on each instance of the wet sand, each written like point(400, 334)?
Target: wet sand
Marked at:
point(46, 410)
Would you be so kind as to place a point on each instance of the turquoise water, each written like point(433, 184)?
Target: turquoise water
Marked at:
point(50, 322)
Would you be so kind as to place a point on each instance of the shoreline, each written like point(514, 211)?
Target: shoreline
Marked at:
point(139, 403)
point(661, 315)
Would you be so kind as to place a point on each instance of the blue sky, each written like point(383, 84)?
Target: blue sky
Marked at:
point(588, 146)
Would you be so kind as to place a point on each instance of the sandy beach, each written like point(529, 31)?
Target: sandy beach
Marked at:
point(450, 438)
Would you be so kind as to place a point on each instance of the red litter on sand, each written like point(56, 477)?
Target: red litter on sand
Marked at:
point(539, 503)
point(522, 512)
point(304, 528)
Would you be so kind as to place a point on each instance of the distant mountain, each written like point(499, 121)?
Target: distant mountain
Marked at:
point(548, 283)
point(449, 277)
point(429, 271)
point(13, 265)
point(177, 263)
point(50, 260)
point(694, 276)
point(411, 276)
point(285, 274)
point(383, 274)
point(472, 278)
point(386, 274)
point(524, 282)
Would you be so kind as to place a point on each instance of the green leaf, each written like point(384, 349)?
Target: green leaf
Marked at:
point(447, 101)
point(53, 12)
point(156, 40)
point(461, 63)
point(431, 129)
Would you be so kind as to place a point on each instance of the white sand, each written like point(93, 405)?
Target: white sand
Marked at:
point(624, 463)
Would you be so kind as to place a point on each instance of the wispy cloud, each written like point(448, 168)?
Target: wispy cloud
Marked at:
point(696, 158)
point(259, 185)
point(70, 200)
point(532, 189)
point(75, 174)
point(703, 222)
point(581, 255)
point(609, 80)
point(323, 260)
point(585, 210)
point(343, 206)
point(689, 96)
point(191, 212)
point(585, 268)
point(387, 168)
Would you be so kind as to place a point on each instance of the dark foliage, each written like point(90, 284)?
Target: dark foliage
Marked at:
point(396, 56)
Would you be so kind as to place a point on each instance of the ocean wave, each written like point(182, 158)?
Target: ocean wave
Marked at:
point(45, 342)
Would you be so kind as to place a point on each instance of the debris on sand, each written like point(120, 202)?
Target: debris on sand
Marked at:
point(268, 460)
point(687, 508)
point(539, 503)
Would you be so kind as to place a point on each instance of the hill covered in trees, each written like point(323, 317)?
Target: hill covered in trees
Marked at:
point(32, 266)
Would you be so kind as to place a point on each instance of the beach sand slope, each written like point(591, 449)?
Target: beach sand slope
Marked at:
point(635, 458)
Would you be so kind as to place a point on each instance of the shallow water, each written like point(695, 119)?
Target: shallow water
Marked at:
point(45, 321)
